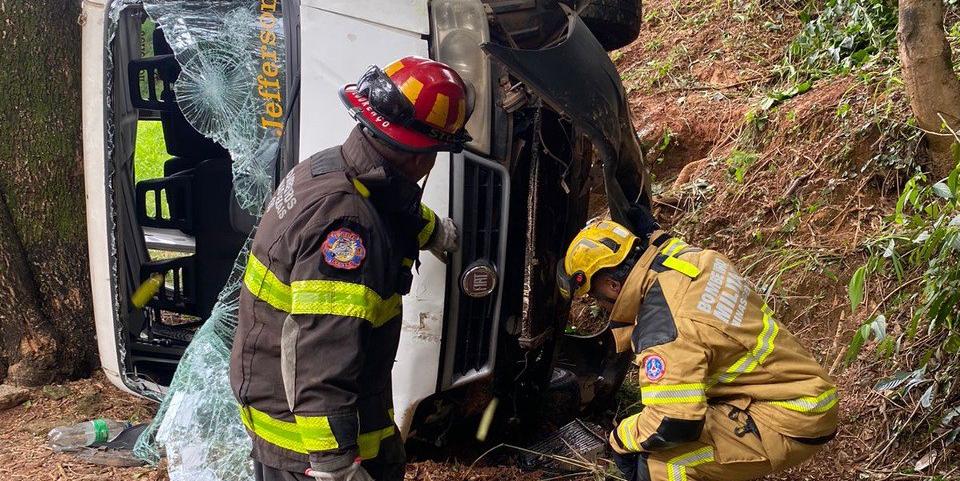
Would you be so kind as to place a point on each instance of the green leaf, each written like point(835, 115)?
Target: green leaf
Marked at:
point(893, 381)
point(767, 103)
point(856, 344)
point(890, 250)
point(952, 345)
point(942, 190)
point(878, 327)
point(855, 288)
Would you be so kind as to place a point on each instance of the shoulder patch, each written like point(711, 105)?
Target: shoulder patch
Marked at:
point(344, 249)
point(655, 324)
point(654, 367)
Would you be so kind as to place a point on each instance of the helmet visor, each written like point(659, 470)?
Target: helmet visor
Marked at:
point(569, 285)
point(384, 96)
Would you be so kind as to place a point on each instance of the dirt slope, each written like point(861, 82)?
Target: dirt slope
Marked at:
point(790, 191)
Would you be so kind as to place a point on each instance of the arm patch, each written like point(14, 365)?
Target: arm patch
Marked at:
point(345, 246)
point(343, 249)
point(655, 324)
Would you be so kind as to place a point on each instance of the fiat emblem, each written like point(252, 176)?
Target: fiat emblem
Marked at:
point(479, 279)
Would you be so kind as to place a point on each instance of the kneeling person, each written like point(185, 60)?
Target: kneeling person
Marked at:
point(728, 392)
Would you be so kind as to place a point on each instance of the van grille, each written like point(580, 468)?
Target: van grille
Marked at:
point(482, 237)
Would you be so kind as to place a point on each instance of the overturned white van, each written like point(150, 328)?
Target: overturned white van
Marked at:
point(237, 92)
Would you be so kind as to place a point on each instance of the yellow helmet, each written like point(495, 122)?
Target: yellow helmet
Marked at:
point(600, 245)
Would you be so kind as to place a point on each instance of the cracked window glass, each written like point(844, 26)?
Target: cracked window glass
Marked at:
point(231, 56)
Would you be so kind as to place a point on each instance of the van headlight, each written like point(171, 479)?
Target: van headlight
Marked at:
point(459, 27)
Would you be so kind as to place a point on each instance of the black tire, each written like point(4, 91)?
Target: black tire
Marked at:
point(615, 23)
point(530, 23)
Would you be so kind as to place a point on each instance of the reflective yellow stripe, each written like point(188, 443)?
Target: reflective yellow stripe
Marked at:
point(626, 434)
point(407, 262)
point(438, 114)
point(316, 433)
point(763, 348)
point(427, 231)
point(320, 297)
point(393, 68)
point(677, 467)
point(308, 434)
point(361, 189)
point(682, 267)
point(411, 89)
point(369, 443)
point(811, 404)
point(265, 285)
point(673, 394)
point(461, 114)
point(279, 433)
point(343, 299)
point(670, 244)
point(673, 247)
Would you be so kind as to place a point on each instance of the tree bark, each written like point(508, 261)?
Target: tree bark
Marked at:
point(46, 326)
point(931, 83)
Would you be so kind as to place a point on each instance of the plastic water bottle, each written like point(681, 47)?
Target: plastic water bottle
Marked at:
point(98, 431)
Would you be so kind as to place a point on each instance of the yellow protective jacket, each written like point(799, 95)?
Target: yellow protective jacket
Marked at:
point(702, 335)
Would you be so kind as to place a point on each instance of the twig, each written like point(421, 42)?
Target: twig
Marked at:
point(895, 435)
point(716, 87)
point(947, 125)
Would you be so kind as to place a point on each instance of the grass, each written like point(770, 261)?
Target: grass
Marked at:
point(151, 153)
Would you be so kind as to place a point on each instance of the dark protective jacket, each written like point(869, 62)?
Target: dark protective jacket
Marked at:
point(320, 311)
point(703, 336)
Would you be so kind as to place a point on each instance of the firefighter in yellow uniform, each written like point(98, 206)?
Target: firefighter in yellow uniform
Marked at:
point(728, 393)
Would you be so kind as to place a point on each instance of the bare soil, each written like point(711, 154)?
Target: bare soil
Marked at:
point(795, 225)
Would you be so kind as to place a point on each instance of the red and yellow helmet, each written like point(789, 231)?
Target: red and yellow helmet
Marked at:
point(415, 104)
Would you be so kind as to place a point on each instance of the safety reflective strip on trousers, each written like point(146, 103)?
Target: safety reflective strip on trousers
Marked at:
point(319, 296)
point(677, 467)
point(673, 394)
point(811, 404)
point(427, 231)
point(308, 434)
point(756, 356)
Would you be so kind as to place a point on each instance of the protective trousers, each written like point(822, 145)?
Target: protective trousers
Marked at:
point(389, 465)
point(733, 447)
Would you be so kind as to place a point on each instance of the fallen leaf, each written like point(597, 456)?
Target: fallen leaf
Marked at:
point(925, 461)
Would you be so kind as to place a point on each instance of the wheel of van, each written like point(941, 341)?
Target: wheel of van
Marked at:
point(530, 23)
point(615, 23)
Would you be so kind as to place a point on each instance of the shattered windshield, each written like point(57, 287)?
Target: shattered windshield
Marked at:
point(230, 89)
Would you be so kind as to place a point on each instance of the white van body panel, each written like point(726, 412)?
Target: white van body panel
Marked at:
point(409, 15)
point(336, 50)
point(96, 191)
point(339, 42)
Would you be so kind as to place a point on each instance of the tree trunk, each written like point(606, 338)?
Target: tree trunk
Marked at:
point(928, 75)
point(46, 326)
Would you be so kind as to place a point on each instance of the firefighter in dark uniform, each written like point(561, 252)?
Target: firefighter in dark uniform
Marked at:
point(320, 312)
point(728, 393)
